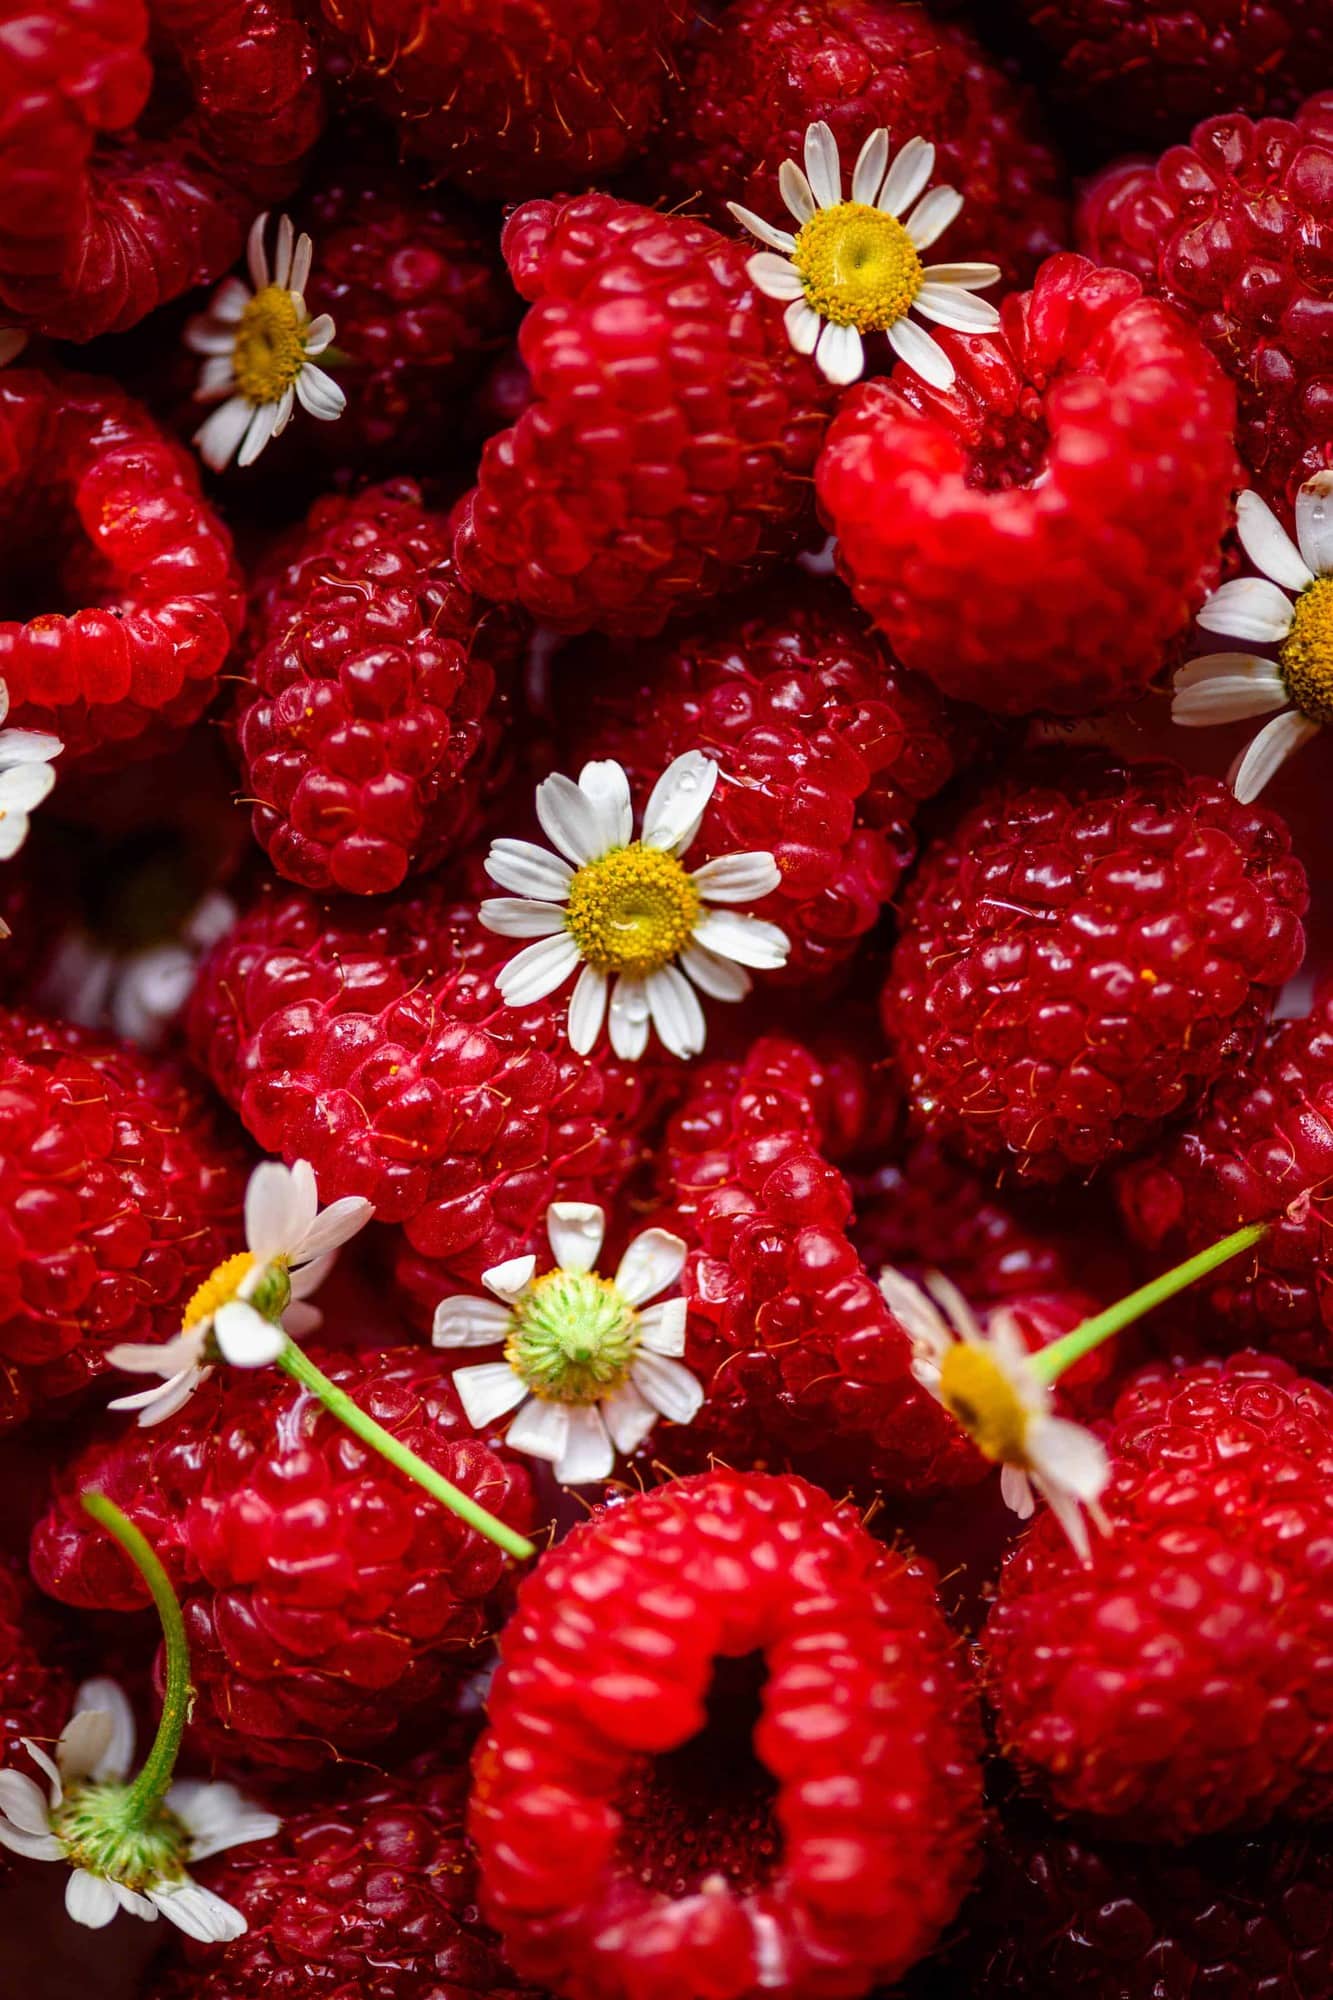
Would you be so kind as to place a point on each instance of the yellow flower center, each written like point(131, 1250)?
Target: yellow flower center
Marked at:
point(632, 911)
point(218, 1287)
point(1307, 655)
point(859, 266)
point(269, 350)
point(573, 1337)
point(975, 1388)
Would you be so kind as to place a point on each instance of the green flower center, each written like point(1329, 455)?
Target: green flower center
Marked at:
point(94, 1827)
point(573, 1337)
point(632, 911)
point(1307, 653)
point(859, 266)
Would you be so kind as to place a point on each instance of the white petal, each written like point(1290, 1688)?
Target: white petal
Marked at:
point(1276, 741)
point(949, 305)
point(85, 1741)
point(48, 1766)
point(1223, 687)
point(588, 1452)
point(652, 1261)
point(35, 1846)
point(332, 1227)
point(229, 301)
point(131, 1900)
point(1268, 545)
point(246, 1338)
point(259, 430)
point(487, 1390)
point(507, 1280)
point(630, 1018)
point(521, 916)
point(917, 1313)
point(1069, 1513)
point(775, 277)
point(840, 355)
point(1064, 1454)
point(868, 173)
point(606, 785)
point(677, 1015)
point(922, 353)
point(908, 175)
point(748, 940)
point(27, 746)
point(719, 978)
point(1314, 522)
point(569, 819)
point(587, 1009)
point(209, 336)
point(667, 1386)
point(823, 169)
point(13, 832)
point(537, 970)
point(165, 1357)
point(763, 232)
point(217, 1817)
point(804, 326)
point(628, 1418)
point(540, 1429)
point(528, 870)
point(662, 1328)
point(319, 334)
point(280, 1205)
point(90, 1899)
point(318, 393)
point(255, 257)
point(282, 253)
point(24, 786)
point(737, 878)
point(218, 437)
point(464, 1321)
point(1016, 1492)
point(197, 1911)
point(157, 1404)
point(932, 216)
point(796, 192)
point(217, 378)
point(1249, 607)
point(575, 1230)
point(112, 1760)
point(970, 277)
point(299, 275)
point(678, 802)
point(24, 1803)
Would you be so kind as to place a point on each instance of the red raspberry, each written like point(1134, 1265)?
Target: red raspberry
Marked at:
point(101, 510)
point(636, 1843)
point(327, 1597)
point(1034, 537)
point(667, 452)
point(1182, 1682)
point(35, 1693)
point(1232, 229)
point(1083, 955)
point(826, 748)
point(1260, 1149)
point(562, 94)
point(118, 1194)
point(99, 225)
point(374, 717)
point(767, 69)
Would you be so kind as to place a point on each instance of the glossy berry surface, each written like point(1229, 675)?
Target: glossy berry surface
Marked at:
point(862, 1750)
point(1090, 947)
point(1034, 537)
point(35, 1691)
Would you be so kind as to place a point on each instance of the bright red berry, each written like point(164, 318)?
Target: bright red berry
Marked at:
point(1089, 949)
point(729, 1750)
point(1035, 537)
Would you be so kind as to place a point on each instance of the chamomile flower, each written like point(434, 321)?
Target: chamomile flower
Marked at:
point(853, 267)
point(26, 778)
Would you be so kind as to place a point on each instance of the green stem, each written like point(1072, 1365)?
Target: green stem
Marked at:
point(150, 1787)
point(1050, 1362)
point(302, 1369)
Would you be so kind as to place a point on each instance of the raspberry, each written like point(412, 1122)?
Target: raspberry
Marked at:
point(1083, 955)
point(628, 1833)
point(667, 452)
point(374, 716)
point(118, 1194)
point(826, 748)
point(564, 94)
point(1180, 1683)
point(1034, 537)
point(35, 1693)
point(1260, 1149)
point(326, 1597)
point(1231, 230)
point(101, 225)
point(769, 68)
point(99, 509)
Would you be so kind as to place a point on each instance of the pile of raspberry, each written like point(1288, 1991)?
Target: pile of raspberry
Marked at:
point(622, 994)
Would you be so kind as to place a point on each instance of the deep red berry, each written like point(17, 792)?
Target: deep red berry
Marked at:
point(99, 510)
point(1182, 1682)
point(1232, 229)
point(636, 1841)
point(1034, 537)
point(372, 716)
point(118, 1194)
point(668, 450)
point(767, 69)
point(35, 1691)
point(1089, 949)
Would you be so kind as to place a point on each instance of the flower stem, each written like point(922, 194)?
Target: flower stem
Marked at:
point(1051, 1362)
point(150, 1787)
point(302, 1369)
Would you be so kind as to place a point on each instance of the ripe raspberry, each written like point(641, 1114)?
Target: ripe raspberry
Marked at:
point(1083, 955)
point(99, 225)
point(118, 1194)
point(767, 69)
point(99, 509)
point(35, 1694)
point(627, 1822)
point(372, 717)
point(326, 1597)
point(1260, 1149)
point(568, 91)
point(667, 452)
point(826, 748)
point(1231, 230)
point(1180, 1683)
point(1034, 537)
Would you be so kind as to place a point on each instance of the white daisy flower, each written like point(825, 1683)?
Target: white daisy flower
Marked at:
point(1223, 687)
point(245, 1310)
point(139, 993)
point(26, 778)
point(589, 1365)
point(853, 267)
point(644, 930)
point(260, 344)
point(116, 1862)
point(985, 1379)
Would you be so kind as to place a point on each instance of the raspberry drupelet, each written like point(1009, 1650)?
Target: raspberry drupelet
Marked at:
point(667, 453)
point(1179, 1682)
point(35, 1690)
point(118, 1194)
point(1035, 537)
point(100, 510)
point(1230, 230)
point(768, 69)
point(372, 717)
point(1090, 947)
point(729, 1752)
